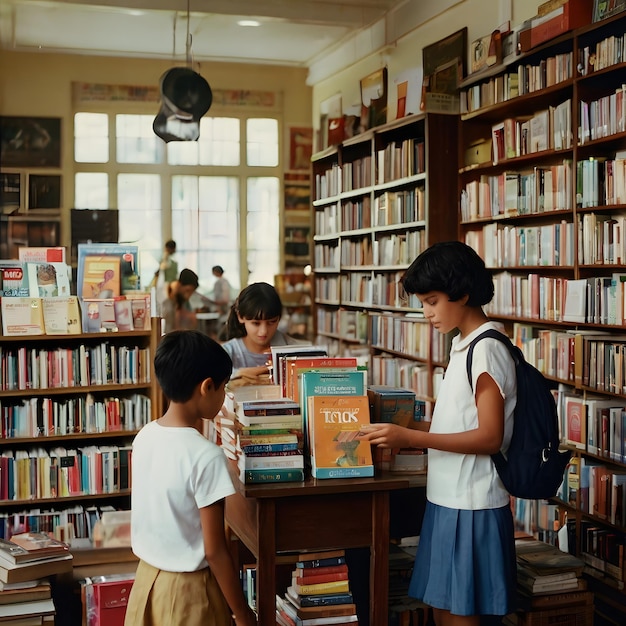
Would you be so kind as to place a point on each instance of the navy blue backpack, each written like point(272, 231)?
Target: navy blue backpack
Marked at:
point(534, 466)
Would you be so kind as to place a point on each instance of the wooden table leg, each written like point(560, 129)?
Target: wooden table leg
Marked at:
point(266, 563)
point(379, 559)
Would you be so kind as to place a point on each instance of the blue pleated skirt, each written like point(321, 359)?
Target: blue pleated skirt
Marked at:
point(465, 561)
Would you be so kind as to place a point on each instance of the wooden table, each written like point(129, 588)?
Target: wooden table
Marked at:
point(314, 515)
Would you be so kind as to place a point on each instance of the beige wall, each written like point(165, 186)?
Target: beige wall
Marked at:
point(480, 17)
point(39, 85)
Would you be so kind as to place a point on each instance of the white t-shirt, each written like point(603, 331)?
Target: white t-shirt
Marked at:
point(470, 481)
point(175, 472)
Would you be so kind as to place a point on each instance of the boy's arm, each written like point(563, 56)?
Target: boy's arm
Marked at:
point(221, 563)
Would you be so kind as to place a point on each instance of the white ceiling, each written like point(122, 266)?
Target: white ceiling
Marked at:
point(291, 32)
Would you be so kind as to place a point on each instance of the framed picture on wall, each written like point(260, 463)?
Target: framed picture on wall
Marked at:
point(10, 192)
point(300, 148)
point(44, 192)
point(30, 141)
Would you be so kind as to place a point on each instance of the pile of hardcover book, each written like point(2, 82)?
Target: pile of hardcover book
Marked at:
point(544, 569)
point(27, 561)
point(319, 593)
point(262, 433)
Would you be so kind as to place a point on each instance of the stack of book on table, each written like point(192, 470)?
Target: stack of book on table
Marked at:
point(319, 593)
point(544, 569)
point(27, 561)
point(263, 436)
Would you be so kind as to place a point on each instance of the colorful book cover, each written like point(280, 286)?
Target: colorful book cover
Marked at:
point(22, 316)
point(106, 270)
point(336, 449)
point(295, 366)
point(280, 353)
point(14, 280)
point(271, 475)
point(329, 383)
point(61, 316)
point(49, 280)
point(35, 254)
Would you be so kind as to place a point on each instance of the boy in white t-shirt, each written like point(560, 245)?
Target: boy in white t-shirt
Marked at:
point(185, 576)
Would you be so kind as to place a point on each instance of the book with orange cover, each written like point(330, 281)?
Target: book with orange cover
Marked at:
point(296, 365)
point(336, 449)
point(320, 578)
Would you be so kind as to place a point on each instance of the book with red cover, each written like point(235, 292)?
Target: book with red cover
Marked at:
point(294, 366)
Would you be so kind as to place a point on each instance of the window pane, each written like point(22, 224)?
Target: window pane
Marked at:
point(91, 191)
point(91, 138)
point(263, 229)
point(262, 142)
point(139, 204)
point(182, 152)
point(136, 141)
point(219, 141)
point(205, 226)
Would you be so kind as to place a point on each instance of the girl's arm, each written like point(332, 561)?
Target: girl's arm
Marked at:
point(486, 439)
point(221, 563)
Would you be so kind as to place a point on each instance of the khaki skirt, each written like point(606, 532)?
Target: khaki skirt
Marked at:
point(160, 598)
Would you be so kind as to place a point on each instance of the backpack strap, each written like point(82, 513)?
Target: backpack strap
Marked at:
point(493, 334)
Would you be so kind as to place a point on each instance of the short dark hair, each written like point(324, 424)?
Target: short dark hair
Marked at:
point(258, 301)
point(218, 268)
point(453, 268)
point(188, 277)
point(170, 245)
point(184, 358)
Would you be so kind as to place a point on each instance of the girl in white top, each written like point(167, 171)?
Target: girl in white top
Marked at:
point(465, 563)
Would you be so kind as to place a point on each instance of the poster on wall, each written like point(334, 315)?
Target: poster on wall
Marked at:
point(30, 141)
point(444, 65)
point(300, 148)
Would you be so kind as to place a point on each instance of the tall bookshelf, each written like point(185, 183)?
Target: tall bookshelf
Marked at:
point(543, 199)
point(379, 199)
point(64, 422)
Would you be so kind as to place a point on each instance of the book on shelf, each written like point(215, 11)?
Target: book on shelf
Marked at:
point(30, 593)
point(61, 316)
point(335, 446)
point(325, 599)
point(251, 412)
point(544, 559)
point(271, 461)
point(22, 316)
point(106, 270)
point(328, 558)
point(49, 279)
point(18, 612)
point(34, 570)
point(575, 421)
point(335, 586)
point(314, 579)
point(31, 546)
point(307, 572)
point(37, 254)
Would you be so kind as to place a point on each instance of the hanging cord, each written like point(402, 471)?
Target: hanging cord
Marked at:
point(188, 41)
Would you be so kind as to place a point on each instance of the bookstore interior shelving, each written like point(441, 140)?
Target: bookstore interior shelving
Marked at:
point(542, 156)
point(71, 405)
point(379, 199)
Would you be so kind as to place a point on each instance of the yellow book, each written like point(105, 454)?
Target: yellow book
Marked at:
point(336, 449)
point(335, 586)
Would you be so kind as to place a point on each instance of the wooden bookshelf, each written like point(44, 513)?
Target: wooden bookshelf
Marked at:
point(535, 209)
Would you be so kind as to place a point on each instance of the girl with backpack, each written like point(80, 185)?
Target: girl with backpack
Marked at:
point(465, 565)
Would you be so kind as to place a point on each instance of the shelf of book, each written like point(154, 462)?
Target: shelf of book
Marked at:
point(379, 199)
point(66, 438)
point(542, 186)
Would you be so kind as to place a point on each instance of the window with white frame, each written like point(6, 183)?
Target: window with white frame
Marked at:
point(217, 197)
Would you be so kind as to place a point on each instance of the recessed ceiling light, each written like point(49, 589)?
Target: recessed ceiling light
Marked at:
point(249, 23)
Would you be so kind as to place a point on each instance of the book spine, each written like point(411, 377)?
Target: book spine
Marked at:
point(273, 476)
point(322, 578)
point(325, 599)
point(338, 586)
point(343, 472)
point(261, 448)
point(327, 562)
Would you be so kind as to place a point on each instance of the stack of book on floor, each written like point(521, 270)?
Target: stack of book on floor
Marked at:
point(319, 593)
point(27, 561)
point(544, 569)
point(264, 437)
